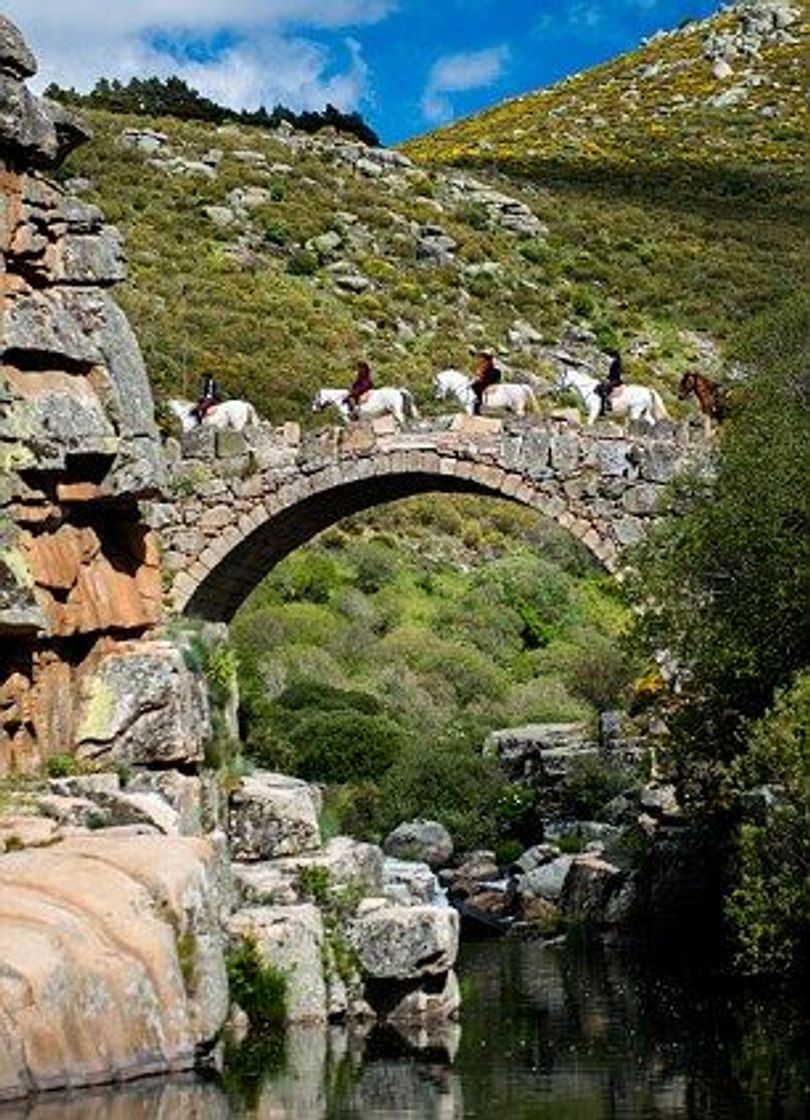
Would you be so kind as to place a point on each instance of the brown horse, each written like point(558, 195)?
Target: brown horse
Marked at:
point(710, 395)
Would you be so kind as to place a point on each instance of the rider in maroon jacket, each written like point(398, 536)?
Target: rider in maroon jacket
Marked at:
point(361, 385)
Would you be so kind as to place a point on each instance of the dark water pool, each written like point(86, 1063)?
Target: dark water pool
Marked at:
point(583, 1034)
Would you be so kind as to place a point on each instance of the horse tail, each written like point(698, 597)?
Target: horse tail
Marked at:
point(659, 409)
point(531, 400)
point(251, 415)
point(410, 404)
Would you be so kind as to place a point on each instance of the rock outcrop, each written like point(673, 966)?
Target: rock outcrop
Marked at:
point(111, 961)
point(79, 567)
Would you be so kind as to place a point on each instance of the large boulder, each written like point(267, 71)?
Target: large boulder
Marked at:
point(272, 815)
point(404, 942)
point(423, 841)
point(95, 925)
point(588, 888)
point(547, 879)
point(143, 706)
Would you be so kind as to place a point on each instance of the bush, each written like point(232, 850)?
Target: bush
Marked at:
point(258, 988)
point(589, 785)
point(342, 745)
point(353, 809)
point(61, 766)
point(769, 907)
point(448, 781)
point(325, 697)
point(302, 263)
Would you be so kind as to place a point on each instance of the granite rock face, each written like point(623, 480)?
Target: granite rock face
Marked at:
point(79, 449)
point(96, 924)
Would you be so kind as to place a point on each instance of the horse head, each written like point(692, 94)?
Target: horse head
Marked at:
point(320, 401)
point(688, 384)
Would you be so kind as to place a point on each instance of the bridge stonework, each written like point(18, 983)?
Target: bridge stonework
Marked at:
point(239, 502)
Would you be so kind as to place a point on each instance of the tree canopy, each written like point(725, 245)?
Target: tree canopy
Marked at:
point(173, 97)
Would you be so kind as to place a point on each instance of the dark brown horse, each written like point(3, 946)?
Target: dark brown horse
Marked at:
point(710, 395)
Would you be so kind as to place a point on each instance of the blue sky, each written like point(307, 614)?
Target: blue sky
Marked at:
point(406, 65)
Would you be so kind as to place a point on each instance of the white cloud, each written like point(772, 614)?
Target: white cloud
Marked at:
point(268, 59)
point(456, 73)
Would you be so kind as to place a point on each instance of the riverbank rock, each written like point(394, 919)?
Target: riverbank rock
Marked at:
point(272, 815)
point(143, 706)
point(91, 926)
point(343, 864)
point(404, 942)
point(291, 939)
point(422, 841)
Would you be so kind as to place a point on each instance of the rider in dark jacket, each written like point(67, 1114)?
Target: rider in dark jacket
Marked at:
point(210, 395)
point(486, 374)
point(615, 376)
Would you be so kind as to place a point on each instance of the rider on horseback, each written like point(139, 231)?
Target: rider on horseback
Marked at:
point(615, 377)
point(362, 384)
point(210, 395)
point(487, 374)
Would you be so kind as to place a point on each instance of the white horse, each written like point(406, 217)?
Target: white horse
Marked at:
point(227, 414)
point(398, 403)
point(508, 395)
point(636, 402)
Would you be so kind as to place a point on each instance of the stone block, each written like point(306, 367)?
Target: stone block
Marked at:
point(384, 426)
point(405, 942)
point(565, 452)
point(641, 499)
point(659, 462)
point(627, 531)
point(230, 444)
point(272, 815)
point(476, 427)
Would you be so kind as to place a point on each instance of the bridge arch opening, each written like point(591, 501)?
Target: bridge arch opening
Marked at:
point(234, 564)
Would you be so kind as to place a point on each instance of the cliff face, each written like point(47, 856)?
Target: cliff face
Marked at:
point(78, 446)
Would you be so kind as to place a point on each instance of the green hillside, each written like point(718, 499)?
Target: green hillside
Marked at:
point(675, 176)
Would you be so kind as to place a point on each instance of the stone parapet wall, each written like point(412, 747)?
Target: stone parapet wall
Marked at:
point(79, 568)
point(239, 502)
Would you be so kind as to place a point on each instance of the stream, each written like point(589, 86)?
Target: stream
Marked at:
point(546, 1031)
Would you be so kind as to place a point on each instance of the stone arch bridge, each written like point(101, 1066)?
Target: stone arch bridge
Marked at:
point(238, 503)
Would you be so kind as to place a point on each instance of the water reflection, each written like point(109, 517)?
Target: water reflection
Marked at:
point(546, 1032)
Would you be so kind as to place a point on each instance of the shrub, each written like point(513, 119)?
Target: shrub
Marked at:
point(302, 263)
point(61, 766)
point(341, 745)
point(352, 809)
point(258, 987)
point(589, 785)
point(769, 907)
point(599, 672)
point(374, 564)
point(325, 697)
point(449, 781)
